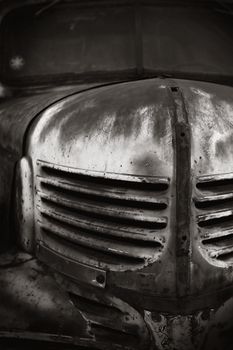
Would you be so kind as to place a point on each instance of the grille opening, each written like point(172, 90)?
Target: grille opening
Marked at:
point(73, 195)
point(118, 220)
point(88, 233)
point(222, 240)
point(88, 179)
point(227, 257)
point(94, 253)
point(220, 203)
point(216, 221)
point(217, 185)
point(100, 226)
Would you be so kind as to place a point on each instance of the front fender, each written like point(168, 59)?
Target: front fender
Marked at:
point(16, 114)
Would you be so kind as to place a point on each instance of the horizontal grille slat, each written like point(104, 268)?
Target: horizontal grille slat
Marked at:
point(215, 233)
point(125, 248)
point(219, 252)
point(105, 193)
point(214, 218)
point(103, 219)
point(90, 255)
point(101, 227)
point(215, 183)
point(220, 241)
point(104, 210)
point(214, 213)
point(215, 201)
point(111, 179)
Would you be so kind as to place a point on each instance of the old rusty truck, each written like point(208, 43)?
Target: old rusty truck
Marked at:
point(116, 174)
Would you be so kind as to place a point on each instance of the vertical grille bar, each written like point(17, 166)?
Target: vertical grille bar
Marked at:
point(183, 193)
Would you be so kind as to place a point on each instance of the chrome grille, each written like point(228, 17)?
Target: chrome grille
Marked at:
point(101, 219)
point(214, 205)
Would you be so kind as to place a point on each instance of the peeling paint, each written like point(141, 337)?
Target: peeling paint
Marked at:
point(111, 169)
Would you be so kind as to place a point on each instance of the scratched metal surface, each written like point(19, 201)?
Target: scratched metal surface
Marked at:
point(117, 131)
point(15, 116)
point(38, 306)
point(210, 112)
point(136, 128)
point(147, 129)
point(27, 289)
point(160, 150)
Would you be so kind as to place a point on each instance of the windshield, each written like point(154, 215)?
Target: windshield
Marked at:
point(82, 42)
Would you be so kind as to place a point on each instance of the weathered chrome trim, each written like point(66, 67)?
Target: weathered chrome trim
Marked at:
point(73, 269)
point(107, 175)
point(25, 205)
point(183, 192)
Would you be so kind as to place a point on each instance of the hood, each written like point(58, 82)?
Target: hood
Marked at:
point(17, 113)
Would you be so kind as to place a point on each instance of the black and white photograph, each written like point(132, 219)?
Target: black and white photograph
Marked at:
point(116, 174)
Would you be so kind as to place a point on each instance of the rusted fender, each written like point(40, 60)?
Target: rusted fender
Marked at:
point(38, 305)
point(32, 302)
point(16, 114)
